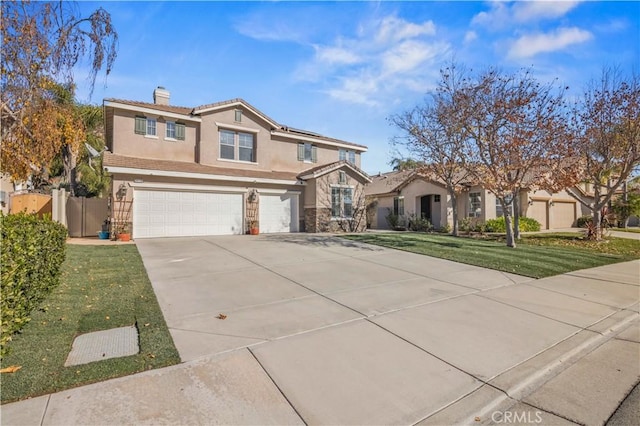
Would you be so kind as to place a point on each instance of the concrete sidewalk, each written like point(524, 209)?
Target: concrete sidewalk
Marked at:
point(321, 330)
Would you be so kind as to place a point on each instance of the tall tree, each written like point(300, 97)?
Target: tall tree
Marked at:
point(517, 131)
point(431, 133)
point(606, 124)
point(42, 42)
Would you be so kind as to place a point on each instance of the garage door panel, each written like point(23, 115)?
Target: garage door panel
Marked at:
point(278, 213)
point(563, 214)
point(175, 213)
point(538, 211)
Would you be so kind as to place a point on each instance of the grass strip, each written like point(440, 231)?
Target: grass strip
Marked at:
point(537, 256)
point(102, 287)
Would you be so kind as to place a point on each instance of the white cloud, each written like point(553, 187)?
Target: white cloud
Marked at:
point(527, 11)
point(393, 29)
point(502, 14)
point(470, 36)
point(335, 55)
point(384, 57)
point(532, 44)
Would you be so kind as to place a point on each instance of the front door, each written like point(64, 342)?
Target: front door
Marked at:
point(425, 207)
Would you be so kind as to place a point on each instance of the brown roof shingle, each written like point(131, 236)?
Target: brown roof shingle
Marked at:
point(115, 160)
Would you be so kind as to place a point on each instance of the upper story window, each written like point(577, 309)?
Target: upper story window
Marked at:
point(145, 126)
point(171, 130)
point(347, 155)
point(238, 115)
point(237, 146)
point(475, 209)
point(307, 153)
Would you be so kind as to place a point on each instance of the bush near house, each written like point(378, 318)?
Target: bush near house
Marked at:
point(583, 221)
point(33, 250)
point(527, 224)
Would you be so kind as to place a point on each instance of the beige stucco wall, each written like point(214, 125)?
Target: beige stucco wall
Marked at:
point(6, 185)
point(273, 152)
point(126, 142)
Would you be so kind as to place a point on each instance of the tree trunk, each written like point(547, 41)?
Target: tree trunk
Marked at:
point(454, 209)
point(597, 214)
point(516, 215)
point(511, 242)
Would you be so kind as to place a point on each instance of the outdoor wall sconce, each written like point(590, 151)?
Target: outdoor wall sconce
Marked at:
point(551, 204)
point(530, 202)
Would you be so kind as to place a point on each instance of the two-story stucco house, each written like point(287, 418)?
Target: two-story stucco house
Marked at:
point(219, 168)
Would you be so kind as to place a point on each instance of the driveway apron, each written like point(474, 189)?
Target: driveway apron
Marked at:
point(296, 328)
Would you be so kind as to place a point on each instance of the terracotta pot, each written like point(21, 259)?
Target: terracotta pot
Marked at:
point(254, 231)
point(124, 237)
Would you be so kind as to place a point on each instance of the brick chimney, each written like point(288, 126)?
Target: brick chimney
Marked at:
point(161, 96)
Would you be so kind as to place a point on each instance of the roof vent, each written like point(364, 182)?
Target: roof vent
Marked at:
point(161, 96)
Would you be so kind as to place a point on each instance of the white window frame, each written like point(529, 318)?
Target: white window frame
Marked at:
point(237, 146)
point(152, 123)
point(170, 127)
point(340, 206)
point(509, 200)
point(398, 205)
point(475, 206)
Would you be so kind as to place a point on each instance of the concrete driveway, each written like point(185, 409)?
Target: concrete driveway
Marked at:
point(320, 330)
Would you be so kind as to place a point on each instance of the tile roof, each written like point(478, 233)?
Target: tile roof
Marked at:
point(388, 182)
point(159, 107)
point(327, 168)
point(197, 111)
point(116, 160)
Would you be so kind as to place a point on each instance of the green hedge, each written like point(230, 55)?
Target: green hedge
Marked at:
point(527, 224)
point(33, 250)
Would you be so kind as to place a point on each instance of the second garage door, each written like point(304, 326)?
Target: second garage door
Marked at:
point(563, 214)
point(181, 213)
point(278, 213)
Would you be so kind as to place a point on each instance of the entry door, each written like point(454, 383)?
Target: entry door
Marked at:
point(425, 206)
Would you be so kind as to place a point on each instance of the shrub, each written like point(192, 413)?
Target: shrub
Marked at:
point(395, 221)
point(33, 250)
point(527, 224)
point(419, 224)
point(583, 221)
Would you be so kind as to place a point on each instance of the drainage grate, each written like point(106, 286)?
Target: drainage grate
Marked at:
point(105, 344)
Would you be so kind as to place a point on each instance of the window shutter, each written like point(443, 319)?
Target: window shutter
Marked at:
point(300, 152)
point(141, 126)
point(314, 154)
point(180, 131)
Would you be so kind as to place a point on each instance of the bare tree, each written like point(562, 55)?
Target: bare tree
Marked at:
point(432, 134)
point(606, 138)
point(516, 128)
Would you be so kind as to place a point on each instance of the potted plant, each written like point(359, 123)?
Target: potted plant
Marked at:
point(122, 232)
point(253, 227)
point(104, 233)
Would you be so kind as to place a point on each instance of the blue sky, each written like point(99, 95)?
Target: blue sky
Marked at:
point(342, 68)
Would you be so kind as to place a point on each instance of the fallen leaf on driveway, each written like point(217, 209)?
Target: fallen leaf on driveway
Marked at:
point(221, 316)
point(11, 369)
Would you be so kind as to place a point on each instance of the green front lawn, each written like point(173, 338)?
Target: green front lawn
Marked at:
point(102, 287)
point(538, 255)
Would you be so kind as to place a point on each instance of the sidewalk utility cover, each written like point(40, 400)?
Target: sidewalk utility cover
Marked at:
point(105, 344)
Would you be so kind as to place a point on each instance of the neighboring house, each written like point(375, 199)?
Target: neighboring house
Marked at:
point(408, 193)
point(217, 168)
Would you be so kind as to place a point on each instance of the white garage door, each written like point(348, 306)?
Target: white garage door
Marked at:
point(176, 213)
point(278, 213)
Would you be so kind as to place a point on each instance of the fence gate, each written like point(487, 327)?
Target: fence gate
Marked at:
point(85, 216)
